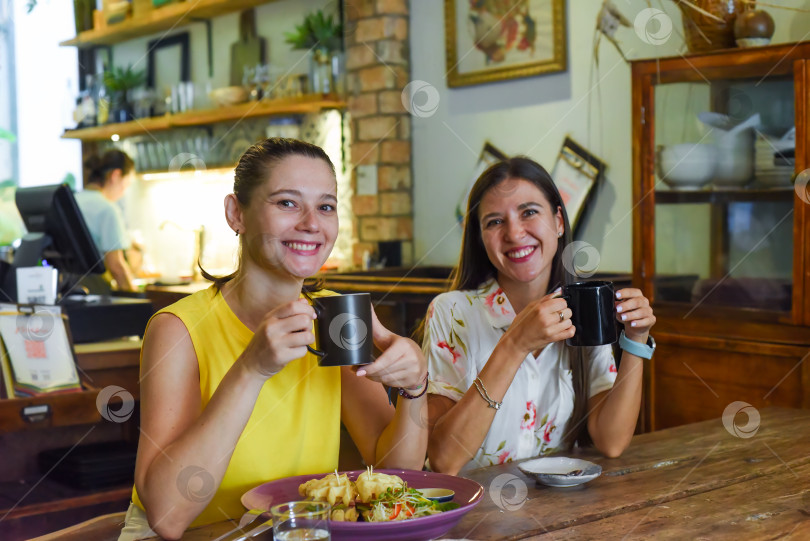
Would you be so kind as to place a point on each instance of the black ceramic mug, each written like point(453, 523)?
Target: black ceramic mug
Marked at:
point(343, 330)
point(592, 313)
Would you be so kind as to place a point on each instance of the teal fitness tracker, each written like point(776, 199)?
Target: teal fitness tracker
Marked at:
point(645, 351)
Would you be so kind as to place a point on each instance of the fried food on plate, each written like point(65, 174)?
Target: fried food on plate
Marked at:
point(341, 513)
point(333, 488)
point(371, 485)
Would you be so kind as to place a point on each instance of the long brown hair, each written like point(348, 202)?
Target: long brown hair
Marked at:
point(474, 267)
point(254, 169)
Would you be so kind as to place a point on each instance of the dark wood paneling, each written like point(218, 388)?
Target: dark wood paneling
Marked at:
point(31, 503)
point(695, 378)
point(732, 323)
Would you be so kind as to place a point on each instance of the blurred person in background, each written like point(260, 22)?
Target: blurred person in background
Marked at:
point(107, 179)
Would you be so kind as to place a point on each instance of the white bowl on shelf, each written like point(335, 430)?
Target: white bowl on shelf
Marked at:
point(735, 167)
point(687, 166)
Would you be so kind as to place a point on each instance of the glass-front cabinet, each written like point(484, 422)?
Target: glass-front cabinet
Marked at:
point(720, 141)
point(724, 162)
point(721, 217)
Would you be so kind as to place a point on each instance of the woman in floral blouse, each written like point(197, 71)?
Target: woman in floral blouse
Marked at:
point(504, 384)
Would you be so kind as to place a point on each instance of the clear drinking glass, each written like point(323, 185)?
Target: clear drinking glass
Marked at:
point(301, 521)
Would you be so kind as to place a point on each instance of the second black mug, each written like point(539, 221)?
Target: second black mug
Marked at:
point(592, 313)
point(343, 330)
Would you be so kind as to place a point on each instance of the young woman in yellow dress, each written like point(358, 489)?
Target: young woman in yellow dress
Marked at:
point(230, 397)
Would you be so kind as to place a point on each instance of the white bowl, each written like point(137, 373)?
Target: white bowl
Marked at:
point(560, 471)
point(229, 95)
point(688, 166)
point(735, 168)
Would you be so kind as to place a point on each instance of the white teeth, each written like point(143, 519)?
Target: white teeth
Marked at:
point(301, 246)
point(517, 254)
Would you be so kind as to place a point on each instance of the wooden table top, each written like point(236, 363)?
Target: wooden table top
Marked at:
point(686, 482)
point(689, 482)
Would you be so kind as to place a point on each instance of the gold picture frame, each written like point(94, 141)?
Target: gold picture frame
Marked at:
point(531, 39)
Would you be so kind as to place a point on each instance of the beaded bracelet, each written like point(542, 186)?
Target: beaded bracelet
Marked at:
point(424, 386)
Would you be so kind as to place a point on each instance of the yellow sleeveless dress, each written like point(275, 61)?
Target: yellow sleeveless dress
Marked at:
point(295, 425)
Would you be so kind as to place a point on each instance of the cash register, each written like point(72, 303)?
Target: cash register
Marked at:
point(58, 236)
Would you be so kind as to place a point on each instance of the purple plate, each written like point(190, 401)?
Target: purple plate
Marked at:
point(468, 494)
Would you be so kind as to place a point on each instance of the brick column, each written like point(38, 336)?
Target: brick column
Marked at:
point(378, 66)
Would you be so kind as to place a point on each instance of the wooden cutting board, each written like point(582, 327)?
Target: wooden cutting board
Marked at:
point(249, 50)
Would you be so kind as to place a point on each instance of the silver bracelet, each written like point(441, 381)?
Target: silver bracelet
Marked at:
point(485, 395)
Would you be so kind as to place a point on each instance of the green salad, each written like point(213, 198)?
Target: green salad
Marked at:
point(400, 503)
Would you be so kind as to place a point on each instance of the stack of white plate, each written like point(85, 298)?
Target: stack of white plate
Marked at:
point(771, 167)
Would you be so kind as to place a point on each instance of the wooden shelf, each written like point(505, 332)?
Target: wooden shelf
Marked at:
point(160, 19)
point(286, 106)
point(724, 196)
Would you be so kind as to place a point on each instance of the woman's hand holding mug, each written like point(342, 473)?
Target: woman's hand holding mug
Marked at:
point(280, 338)
point(542, 322)
point(634, 310)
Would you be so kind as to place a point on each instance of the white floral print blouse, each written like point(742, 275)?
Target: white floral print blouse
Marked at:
point(461, 332)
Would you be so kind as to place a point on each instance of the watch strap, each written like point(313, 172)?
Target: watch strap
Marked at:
point(644, 351)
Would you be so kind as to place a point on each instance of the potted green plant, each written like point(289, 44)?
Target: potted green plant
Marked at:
point(322, 35)
point(118, 82)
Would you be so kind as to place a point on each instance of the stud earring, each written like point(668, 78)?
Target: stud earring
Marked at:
point(559, 233)
point(237, 232)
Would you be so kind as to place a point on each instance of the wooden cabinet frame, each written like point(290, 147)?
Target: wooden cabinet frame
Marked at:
point(712, 328)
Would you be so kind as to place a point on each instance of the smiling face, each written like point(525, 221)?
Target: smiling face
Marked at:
point(520, 231)
point(291, 223)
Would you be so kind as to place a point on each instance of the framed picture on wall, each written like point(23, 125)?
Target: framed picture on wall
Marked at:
point(575, 174)
point(494, 40)
point(168, 65)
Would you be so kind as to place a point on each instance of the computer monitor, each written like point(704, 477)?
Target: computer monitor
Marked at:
point(57, 234)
